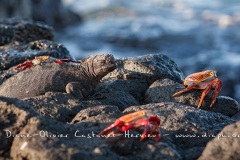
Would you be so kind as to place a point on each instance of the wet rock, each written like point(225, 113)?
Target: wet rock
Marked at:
point(198, 126)
point(224, 147)
point(23, 31)
point(162, 91)
point(14, 114)
point(59, 106)
point(149, 67)
point(15, 53)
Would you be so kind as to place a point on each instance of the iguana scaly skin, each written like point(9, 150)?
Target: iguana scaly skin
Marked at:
point(79, 79)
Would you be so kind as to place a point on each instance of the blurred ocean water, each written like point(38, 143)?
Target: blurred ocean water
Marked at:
point(176, 28)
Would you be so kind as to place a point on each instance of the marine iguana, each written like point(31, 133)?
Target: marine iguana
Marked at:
point(79, 79)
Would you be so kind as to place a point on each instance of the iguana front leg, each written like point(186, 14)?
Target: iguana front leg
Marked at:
point(79, 90)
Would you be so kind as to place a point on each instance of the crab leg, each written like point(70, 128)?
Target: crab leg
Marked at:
point(146, 132)
point(24, 65)
point(186, 89)
point(204, 93)
point(117, 123)
point(150, 126)
point(216, 91)
point(117, 131)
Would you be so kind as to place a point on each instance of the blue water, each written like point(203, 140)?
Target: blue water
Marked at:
point(129, 28)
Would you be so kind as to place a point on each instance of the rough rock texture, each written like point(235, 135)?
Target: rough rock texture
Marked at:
point(24, 31)
point(180, 120)
point(135, 88)
point(59, 106)
point(16, 53)
point(129, 148)
point(61, 124)
point(162, 91)
point(38, 137)
point(135, 74)
point(5, 74)
point(149, 67)
point(118, 98)
point(225, 145)
point(56, 125)
point(97, 113)
point(22, 40)
point(14, 114)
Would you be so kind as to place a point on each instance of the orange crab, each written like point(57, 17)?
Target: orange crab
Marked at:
point(205, 80)
point(144, 119)
point(42, 59)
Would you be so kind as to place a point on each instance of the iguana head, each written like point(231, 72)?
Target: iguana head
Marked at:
point(101, 65)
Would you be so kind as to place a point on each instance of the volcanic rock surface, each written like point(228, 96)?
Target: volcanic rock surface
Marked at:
point(59, 126)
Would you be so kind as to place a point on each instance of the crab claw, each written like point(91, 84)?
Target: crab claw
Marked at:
point(143, 119)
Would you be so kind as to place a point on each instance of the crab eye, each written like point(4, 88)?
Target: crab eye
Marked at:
point(213, 74)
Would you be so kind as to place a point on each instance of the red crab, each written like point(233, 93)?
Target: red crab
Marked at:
point(144, 119)
point(42, 59)
point(206, 81)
